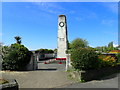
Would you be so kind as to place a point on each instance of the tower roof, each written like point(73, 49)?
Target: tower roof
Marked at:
point(62, 16)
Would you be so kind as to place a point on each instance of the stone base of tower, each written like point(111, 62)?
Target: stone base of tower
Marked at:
point(61, 55)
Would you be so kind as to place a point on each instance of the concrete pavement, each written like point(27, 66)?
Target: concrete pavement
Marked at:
point(39, 79)
point(51, 66)
point(46, 76)
point(106, 82)
point(58, 79)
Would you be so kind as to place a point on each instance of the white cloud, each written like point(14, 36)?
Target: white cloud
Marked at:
point(92, 46)
point(115, 45)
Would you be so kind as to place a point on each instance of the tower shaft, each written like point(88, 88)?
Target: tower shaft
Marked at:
point(62, 37)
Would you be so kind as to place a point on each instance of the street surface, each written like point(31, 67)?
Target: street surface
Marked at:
point(106, 82)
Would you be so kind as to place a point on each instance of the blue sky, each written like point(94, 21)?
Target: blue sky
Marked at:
point(36, 22)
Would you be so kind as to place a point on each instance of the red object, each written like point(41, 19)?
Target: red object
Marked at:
point(60, 62)
point(60, 58)
point(64, 59)
point(45, 62)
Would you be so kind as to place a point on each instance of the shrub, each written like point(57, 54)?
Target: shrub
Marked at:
point(107, 60)
point(84, 59)
point(118, 57)
point(16, 57)
point(48, 51)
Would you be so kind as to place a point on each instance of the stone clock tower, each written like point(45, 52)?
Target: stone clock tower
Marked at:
point(62, 37)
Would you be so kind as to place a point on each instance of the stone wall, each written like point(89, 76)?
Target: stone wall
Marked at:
point(68, 62)
point(88, 75)
point(33, 63)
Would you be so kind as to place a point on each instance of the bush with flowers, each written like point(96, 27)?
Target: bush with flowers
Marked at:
point(87, 59)
point(84, 59)
point(107, 61)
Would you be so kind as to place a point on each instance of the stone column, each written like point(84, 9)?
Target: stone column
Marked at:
point(35, 62)
point(68, 62)
point(62, 37)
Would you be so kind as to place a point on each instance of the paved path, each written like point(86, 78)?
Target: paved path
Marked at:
point(57, 79)
point(107, 82)
point(51, 66)
point(47, 76)
point(39, 79)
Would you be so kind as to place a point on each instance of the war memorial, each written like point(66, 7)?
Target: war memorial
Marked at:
point(62, 45)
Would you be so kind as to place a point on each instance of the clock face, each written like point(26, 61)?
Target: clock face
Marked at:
point(61, 24)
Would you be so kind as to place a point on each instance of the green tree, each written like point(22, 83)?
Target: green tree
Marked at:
point(118, 46)
point(50, 51)
point(102, 49)
point(18, 39)
point(1, 45)
point(91, 48)
point(98, 48)
point(55, 50)
point(78, 42)
point(69, 45)
point(15, 57)
point(47, 51)
point(110, 46)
